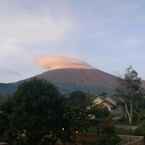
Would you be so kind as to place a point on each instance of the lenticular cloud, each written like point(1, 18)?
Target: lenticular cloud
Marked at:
point(60, 62)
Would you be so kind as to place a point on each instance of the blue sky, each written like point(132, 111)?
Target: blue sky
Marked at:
point(108, 34)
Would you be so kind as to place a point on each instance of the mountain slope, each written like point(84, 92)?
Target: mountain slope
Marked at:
point(89, 80)
point(71, 79)
point(8, 88)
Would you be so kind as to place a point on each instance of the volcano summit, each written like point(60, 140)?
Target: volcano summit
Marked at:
point(69, 75)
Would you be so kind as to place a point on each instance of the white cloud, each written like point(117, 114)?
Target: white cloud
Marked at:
point(28, 23)
point(31, 29)
point(20, 29)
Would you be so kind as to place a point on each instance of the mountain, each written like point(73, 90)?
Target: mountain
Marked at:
point(8, 88)
point(89, 80)
point(71, 79)
point(70, 74)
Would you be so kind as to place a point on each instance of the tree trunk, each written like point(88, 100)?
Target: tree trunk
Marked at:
point(129, 112)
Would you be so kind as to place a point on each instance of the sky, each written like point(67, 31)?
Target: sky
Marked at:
point(107, 34)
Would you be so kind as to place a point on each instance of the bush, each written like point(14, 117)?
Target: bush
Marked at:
point(140, 130)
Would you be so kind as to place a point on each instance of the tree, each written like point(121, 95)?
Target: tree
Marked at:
point(131, 94)
point(79, 99)
point(33, 113)
point(38, 114)
point(76, 122)
point(76, 115)
point(102, 120)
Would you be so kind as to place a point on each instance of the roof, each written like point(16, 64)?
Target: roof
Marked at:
point(108, 100)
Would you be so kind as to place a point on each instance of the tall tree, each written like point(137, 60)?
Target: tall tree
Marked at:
point(131, 93)
point(34, 112)
point(38, 114)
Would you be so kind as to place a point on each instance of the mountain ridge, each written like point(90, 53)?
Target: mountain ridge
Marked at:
point(71, 79)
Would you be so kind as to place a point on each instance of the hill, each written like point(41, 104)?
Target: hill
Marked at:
point(71, 79)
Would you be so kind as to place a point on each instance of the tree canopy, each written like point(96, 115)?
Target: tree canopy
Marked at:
point(132, 93)
point(38, 114)
point(35, 111)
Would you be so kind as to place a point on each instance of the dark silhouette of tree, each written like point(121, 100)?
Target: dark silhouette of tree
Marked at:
point(131, 94)
point(103, 122)
point(34, 112)
point(38, 114)
point(79, 99)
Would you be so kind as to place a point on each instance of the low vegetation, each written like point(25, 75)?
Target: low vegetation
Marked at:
point(38, 114)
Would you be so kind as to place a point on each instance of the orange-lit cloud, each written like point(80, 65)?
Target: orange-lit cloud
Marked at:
point(60, 62)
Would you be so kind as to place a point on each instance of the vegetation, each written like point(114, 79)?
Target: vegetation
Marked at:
point(131, 94)
point(106, 133)
point(38, 114)
point(79, 99)
point(34, 112)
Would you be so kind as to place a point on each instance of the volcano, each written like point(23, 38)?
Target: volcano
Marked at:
point(88, 80)
point(70, 75)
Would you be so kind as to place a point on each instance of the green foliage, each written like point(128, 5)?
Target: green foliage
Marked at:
point(108, 137)
point(38, 114)
point(76, 115)
point(96, 119)
point(79, 99)
point(35, 110)
point(131, 88)
point(105, 130)
point(141, 129)
point(132, 94)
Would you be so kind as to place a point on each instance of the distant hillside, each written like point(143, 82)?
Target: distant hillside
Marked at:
point(7, 89)
point(70, 79)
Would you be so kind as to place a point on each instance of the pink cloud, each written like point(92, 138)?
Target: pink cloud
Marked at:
point(60, 62)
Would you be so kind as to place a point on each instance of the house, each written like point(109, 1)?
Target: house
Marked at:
point(106, 102)
point(112, 105)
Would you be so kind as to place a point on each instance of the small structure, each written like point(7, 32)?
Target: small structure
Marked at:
point(106, 102)
point(112, 106)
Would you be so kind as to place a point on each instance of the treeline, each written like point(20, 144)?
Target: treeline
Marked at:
point(38, 114)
